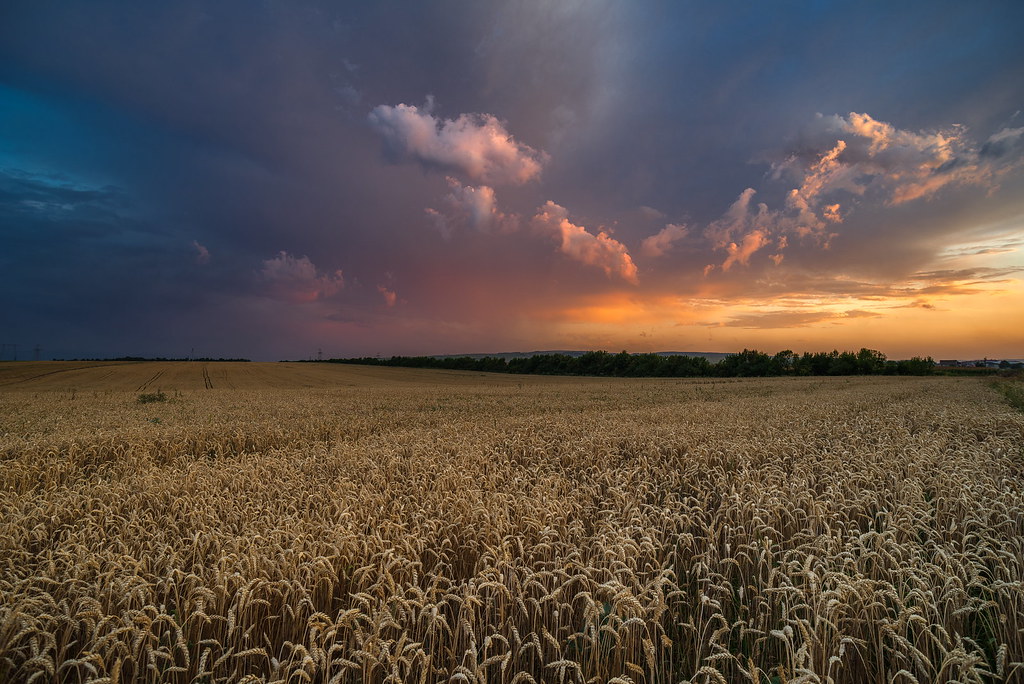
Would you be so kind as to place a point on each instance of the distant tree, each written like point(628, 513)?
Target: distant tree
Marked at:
point(784, 362)
point(687, 366)
point(816, 363)
point(748, 363)
point(917, 366)
point(844, 363)
point(870, 362)
point(592, 363)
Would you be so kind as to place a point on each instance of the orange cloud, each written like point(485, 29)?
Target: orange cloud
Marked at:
point(619, 309)
point(794, 318)
point(878, 132)
point(831, 213)
point(742, 252)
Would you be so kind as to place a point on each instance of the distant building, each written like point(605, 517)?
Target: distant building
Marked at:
point(975, 363)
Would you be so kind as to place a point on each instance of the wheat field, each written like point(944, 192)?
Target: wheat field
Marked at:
point(306, 523)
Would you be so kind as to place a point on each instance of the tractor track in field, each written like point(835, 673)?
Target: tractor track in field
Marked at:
point(62, 370)
point(206, 377)
point(227, 379)
point(143, 386)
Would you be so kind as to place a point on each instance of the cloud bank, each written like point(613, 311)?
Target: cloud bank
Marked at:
point(874, 159)
point(850, 164)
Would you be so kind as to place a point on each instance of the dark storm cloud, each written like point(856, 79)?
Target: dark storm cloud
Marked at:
point(24, 195)
point(195, 170)
point(1005, 142)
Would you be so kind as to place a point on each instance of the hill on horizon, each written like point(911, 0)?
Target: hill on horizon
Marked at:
point(712, 357)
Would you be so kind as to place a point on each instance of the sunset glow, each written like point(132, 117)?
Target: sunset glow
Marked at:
point(403, 178)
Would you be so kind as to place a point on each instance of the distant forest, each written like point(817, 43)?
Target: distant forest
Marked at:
point(747, 364)
point(204, 359)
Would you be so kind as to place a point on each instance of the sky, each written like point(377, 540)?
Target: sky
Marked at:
point(278, 179)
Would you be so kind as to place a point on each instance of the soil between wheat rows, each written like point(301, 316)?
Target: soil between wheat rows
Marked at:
point(311, 522)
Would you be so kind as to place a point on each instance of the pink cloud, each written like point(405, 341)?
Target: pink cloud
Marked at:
point(298, 280)
point(476, 145)
point(577, 243)
point(660, 243)
point(390, 297)
point(475, 207)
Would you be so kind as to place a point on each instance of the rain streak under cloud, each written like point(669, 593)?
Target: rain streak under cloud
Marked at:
point(368, 178)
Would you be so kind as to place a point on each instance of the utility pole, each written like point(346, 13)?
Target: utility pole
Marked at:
point(319, 354)
point(36, 351)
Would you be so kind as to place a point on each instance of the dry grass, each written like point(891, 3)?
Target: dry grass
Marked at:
point(511, 530)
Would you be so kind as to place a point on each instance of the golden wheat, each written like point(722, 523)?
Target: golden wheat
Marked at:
point(786, 530)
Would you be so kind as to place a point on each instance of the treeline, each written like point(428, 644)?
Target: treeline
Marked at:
point(205, 359)
point(746, 364)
